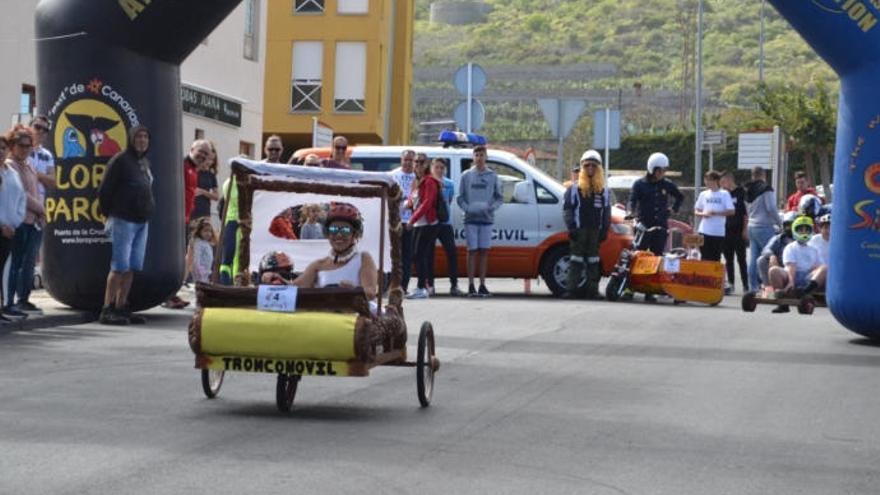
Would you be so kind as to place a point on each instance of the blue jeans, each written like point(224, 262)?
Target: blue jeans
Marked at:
point(129, 245)
point(759, 236)
point(25, 246)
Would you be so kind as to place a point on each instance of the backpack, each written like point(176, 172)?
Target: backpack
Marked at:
point(442, 207)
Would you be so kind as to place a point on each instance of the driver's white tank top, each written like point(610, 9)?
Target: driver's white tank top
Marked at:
point(350, 272)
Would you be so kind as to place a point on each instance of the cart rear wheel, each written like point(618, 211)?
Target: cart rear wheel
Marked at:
point(212, 380)
point(425, 359)
point(806, 306)
point(749, 302)
point(285, 391)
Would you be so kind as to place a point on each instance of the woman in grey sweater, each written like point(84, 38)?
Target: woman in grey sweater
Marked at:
point(764, 220)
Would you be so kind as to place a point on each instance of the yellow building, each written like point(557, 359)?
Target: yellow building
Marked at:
point(329, 59)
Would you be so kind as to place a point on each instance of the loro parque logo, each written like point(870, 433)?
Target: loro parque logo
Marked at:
point(91, 122)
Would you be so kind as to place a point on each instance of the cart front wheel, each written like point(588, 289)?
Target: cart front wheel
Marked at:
point(425, 364)
point(285, 391)
point(212, 380)
point(749, 302)
point(616, 287)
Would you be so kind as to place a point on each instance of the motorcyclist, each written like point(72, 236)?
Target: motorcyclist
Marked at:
point(649, 202)
point(587, 213)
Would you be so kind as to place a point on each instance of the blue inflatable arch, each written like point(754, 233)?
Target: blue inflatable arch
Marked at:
point(846, 34)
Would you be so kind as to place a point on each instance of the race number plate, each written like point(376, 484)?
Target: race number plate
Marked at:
point(279, 298)
point(672, 265)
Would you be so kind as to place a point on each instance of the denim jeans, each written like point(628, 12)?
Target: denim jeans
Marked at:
point(25, 246)
point(759, 236)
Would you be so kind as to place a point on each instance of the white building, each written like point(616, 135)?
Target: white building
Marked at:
point(222, 79)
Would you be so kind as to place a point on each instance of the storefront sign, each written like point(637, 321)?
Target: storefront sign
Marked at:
point(196, 102)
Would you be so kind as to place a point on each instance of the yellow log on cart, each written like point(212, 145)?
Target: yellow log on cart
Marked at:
point(301, 335)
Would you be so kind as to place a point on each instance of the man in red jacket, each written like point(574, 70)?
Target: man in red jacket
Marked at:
point(803, 188)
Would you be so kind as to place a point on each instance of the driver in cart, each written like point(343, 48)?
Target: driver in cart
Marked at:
point(345, 266)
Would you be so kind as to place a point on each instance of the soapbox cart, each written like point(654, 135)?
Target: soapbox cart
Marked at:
point(331, 331)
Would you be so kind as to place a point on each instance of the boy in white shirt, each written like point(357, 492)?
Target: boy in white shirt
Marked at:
point(822, 240)
point(804, 271)
point(713, 206)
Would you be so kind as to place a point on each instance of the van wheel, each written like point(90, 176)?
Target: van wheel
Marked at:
point(554, 270)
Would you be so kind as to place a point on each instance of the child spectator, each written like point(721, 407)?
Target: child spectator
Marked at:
point(200, 255)
point(312, 228)
point(713, 206)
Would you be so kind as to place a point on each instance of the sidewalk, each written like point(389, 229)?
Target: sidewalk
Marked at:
point(54, 314)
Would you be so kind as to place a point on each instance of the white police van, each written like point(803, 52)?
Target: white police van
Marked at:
point(530, 238)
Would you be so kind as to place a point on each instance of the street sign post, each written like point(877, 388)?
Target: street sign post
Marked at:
point(606, 133)
point(470, 80)
point(561, 115)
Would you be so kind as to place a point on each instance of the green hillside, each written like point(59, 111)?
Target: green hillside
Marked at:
point(651, 42)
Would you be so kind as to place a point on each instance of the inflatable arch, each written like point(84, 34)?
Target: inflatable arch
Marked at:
point(846, 34)
point(103, 67)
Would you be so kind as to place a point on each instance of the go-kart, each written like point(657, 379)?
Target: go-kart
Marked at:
point(294, 332)
point(673, 275)
point(805, 304)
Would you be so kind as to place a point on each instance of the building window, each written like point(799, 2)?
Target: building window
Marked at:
point(28, 99)
point(351, 77)
point(353, 6)
point(308, 6)
point(246, 149)
point(251, 29)
point(307, 69)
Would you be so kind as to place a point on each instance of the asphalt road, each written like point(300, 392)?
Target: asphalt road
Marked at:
point(535, 395)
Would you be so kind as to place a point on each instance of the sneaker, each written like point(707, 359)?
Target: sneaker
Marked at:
point(728, 290)
point(132, 318)
point(175, 302)
point(28, 307)
point(484, 292)
point(454, 291)
point(109, 316)
point(431, 291)
point(472, 292)
point(418, 294)
point(12, 311)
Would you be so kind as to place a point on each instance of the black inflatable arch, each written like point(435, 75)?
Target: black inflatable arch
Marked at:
point(103, 67)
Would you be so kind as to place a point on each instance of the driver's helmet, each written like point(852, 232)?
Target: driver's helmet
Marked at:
point(810, 205)
point(825, 219)
point(345, 212)
point(276, 262)
point(802, 229)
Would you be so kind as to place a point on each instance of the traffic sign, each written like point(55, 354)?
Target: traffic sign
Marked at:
point(713, 138)
point(478, 115)
point(561, 115)
point(478, 79)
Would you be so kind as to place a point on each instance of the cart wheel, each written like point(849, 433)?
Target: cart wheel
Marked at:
point(212, 380)
point(425, 357)
point(285, 391)
point(749, 302)
point(615, 288)
point(806, 306)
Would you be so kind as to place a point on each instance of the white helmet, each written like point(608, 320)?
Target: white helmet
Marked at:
point(657, 160)
point(591, 155)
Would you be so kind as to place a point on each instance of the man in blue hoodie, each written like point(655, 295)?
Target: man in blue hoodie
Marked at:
point(479, 197)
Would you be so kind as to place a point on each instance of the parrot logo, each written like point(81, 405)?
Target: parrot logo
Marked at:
point(96, 128)
point(72, 148)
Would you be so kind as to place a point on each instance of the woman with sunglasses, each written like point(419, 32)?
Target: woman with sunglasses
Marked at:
point(345, 266)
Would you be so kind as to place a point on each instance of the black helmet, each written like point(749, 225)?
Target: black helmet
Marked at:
point(276, 261)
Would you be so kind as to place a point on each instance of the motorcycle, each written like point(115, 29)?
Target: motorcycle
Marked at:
point(673, 275)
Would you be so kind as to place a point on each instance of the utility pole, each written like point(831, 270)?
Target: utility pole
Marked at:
point(761, 44)
point(698, 116)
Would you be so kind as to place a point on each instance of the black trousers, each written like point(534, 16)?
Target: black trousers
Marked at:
point(446, 236)
point(712, 247)
point(406, 256)
point(654, 241)
point(735, 245)
point(425, 239)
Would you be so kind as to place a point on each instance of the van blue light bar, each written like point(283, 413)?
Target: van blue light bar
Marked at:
point(459, 139)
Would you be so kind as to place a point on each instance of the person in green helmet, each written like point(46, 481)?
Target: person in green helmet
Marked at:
point(803, 271)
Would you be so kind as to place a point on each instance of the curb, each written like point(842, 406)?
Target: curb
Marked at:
point(60, 319)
